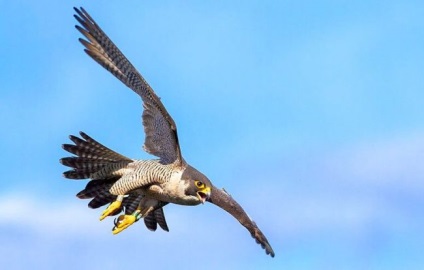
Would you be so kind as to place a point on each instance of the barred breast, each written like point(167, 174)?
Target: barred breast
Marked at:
point(141, 173)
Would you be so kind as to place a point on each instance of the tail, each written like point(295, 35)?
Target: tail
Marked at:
point(91, 157)
point(156, 217)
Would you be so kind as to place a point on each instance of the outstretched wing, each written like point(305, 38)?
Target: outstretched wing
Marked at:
point(161, 132)
point(222, 199)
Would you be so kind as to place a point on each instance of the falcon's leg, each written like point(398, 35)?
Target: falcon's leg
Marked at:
point(112, 207)
point(124, 221)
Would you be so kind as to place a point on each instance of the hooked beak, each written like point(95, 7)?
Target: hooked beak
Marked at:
point(204, 194)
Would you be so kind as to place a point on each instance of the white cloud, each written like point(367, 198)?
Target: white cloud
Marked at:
point(349, 190)
point(49, 233)
point(391, 162)
point(40, 216)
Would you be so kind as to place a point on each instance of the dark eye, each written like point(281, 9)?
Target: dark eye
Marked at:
point(199, 184)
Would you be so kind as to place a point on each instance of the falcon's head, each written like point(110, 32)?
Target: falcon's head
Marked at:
point(199, 187)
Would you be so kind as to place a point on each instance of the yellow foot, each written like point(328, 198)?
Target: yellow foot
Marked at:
point(110, 209)
point(123, 222)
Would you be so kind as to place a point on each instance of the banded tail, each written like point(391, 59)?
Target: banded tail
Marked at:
point(91, 157)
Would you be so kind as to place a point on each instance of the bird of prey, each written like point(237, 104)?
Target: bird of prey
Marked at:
point(141, 188)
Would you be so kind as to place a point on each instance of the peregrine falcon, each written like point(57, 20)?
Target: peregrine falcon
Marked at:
point(141, 188)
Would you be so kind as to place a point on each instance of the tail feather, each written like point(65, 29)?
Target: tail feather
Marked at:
point(160, 219)
point(77, 174)
point(83, 166)
point(97, 188)
point(154, 218)
point(131, 202)
point(98, 191)
point(83, 151)
point(91, 148)
point(83, 163)
point(150, 221)
point(99, 201)
point(91, 157)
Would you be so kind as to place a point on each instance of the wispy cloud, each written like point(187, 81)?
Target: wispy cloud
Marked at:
point(388, 162)
point(50, 232)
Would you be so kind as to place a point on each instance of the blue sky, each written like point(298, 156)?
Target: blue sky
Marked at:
point(310, 114)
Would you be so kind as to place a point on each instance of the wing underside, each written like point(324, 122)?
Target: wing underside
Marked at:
point(222, 199)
